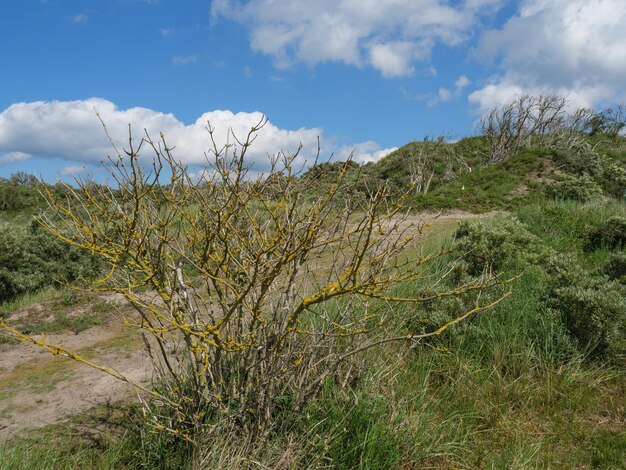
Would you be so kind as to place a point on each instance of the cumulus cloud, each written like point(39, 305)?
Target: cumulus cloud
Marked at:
point(365, 152)
point(571, 47)
point(12, 157)
point(461, 82)
point(389, 35)
point(71, 130)
point(446, 94)
point(393, 59)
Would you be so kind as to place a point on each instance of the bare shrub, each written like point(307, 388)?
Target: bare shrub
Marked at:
point(610, 120)
point(249, 296)
point(517, 123)
point(545, 119)
point(427, 157)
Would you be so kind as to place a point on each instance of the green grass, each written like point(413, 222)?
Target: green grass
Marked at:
point(566, 225)
point(59, 447)
point(490, 187)
point(432, 410)
point(58, 304)
point(43, 295)
point(63, 322)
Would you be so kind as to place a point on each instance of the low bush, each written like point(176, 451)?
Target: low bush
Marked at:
point(584, 297)
point(497, 244)
point(615, 267)
point(579, 160)
point(10, 198)
point(565, 225)
point(574, 188)
point(593, 307)
point(610, 234)
point(603, 166)
point(31, 259)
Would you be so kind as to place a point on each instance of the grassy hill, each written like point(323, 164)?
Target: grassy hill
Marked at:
point(459, 175)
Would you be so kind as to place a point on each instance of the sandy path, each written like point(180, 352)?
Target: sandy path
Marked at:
point(37, 388)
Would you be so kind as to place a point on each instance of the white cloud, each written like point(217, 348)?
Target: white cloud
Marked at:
point(167, 32)
point(393, 59)
point(443, 94)
point(365, 152)
point(571, 47)
point(184, 60)
point(12, 157)
point(71, 170)
point(79, 18)
point(389, 35)
point(71, 130)
point(461, 82)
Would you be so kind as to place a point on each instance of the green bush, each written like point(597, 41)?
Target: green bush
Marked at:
point(614, 179)
point(498, 244)
point(566, 225)
point(574, 188)
point(587, 303)
point(10, 198)
point(12, 254)
point(605, 168)
point(432, 314)
point(593, 307)
point(31, 259)
point(610, 234)
point(615, 268)
point(579, 160)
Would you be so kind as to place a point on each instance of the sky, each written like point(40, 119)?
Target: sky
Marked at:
point(363, 76)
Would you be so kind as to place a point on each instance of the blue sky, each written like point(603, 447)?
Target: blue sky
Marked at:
point(363, 75)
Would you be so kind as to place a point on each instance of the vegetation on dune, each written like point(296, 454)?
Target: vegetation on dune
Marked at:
point(284, 306)
point(254, 300)
point(32, 259)
point(530, 150)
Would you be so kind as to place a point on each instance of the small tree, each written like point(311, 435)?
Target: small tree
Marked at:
point(609, 120)
point(517, 123)
point(248, 298)
point(22, 178)
point(433, 158)
point(10, 197)
point(522, 121)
